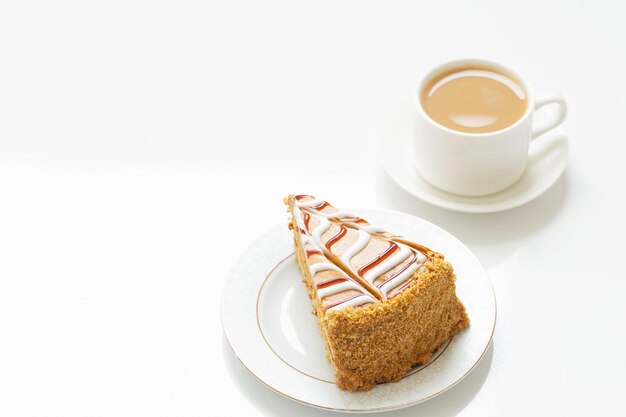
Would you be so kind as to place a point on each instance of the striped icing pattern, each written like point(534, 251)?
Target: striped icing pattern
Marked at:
point(323, 266)
point(337, 288)
point(388, 264)
point(397, 264)
point(354, 302)
point(356, 247)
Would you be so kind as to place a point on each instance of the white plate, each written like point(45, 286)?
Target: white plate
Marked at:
point(547, 160)
point(266, 315)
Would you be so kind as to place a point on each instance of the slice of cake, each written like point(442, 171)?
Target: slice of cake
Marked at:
point(383, 303)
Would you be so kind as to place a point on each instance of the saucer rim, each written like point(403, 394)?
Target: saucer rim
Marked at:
point(476, 206)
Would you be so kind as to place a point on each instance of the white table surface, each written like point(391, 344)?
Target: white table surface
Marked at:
point(144, 145)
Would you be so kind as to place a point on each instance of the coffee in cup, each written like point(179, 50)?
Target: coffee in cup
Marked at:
point(473, 126)
point(474, 99)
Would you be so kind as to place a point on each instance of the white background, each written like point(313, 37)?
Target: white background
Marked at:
point(144, 145)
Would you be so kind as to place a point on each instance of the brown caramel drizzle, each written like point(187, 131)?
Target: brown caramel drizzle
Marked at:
point(306, 217)
point(420, 248)
point(312, 252)
point(392, 247)
point(413, 258)
point(345, 301)
point(321, 206)
point(399, 288)
point(329, 282)
point(337, 237)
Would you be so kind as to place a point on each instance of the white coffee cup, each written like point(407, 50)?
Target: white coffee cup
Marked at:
point(475, 164)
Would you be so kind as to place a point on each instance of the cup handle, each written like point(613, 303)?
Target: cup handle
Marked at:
point(555, 119)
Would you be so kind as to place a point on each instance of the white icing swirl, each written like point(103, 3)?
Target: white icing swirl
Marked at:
point(323, 266)
point(369, 228)
point(399, 279)
point(339, 214)
point(321, 228)
point(356, 247)
point(298, 216)
point(337, 288)
point(388, 263)
point(311, 203)
point(306, 239)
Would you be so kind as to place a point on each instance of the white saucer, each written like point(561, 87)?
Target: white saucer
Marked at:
point(267, 320)
point(548, 157)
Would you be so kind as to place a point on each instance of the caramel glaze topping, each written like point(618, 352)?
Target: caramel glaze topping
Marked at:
point(392, 247)
point(398, 278)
